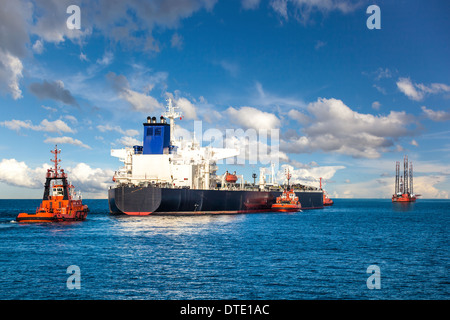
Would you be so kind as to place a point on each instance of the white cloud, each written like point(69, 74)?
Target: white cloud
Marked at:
point(17, 173)
point(83, 57)
point(436, 115)
point(38, 47)
point(302, 9)
point(280, 7)
point(307, 176)
point(54, 126)
point(249, 117)
point(188, 110)
point(93, 181)
point(138, 101)
point(250, 4)
point(176, 41)
point(71, 119)
point(319, 44)
point(407, 87)
point(106, 59)
point(334, 127)
point(426, 186)
point(300, 117)
point(417, 92)
point(67, 140)
point(376, 105)
point(49, 22)
point(255, 148)
point(107, 127)
point(10, 74)
point(45, 125)
point(231, 67)
point(381, 73)
point(129, 141)
point(266, 99)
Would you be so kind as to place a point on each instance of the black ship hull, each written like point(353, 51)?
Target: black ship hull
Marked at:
point(151, 200)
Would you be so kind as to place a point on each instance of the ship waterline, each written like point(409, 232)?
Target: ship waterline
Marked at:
point(133, 200)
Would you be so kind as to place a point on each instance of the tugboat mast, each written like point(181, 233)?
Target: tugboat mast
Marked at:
point(56, 160)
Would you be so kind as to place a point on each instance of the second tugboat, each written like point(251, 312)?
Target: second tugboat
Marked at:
point(287, 201)
point(326, 200)
point(59, 203)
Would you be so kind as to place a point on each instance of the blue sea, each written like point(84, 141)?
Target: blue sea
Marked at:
point(315, 254)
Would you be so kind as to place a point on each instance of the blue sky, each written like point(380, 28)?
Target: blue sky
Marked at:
point(348, 101)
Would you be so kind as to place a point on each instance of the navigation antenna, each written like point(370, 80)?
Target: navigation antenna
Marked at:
point(288, 176)
point(171, 114)
point(56, 160)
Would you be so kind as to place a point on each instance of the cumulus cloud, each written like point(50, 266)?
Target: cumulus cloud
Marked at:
point(334, 127)
point(45, 125)
point(94, 181)
point(67, 140)
point(124, 22)
point(188, 109)
point(10, 74)
point(427, 186)
point(436, 115)
point(38, 47)
point(17, 173)
point(129, 141)
point(307, 175)
point(300, 117)
point(53, 90)
point(418, 91)
point(49, 22)
point(249, 117)
point(138, 101)
point(255, 147)
point(107, 127)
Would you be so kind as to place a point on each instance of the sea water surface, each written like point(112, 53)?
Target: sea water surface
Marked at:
point(314, 254)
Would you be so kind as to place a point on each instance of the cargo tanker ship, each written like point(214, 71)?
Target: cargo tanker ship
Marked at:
point(166, 176)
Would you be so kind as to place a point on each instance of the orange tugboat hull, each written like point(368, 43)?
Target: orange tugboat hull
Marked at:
point(46, 216)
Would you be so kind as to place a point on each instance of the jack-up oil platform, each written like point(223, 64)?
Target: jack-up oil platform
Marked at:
point(404, 191)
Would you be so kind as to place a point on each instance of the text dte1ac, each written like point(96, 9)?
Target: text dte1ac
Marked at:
point(235, 309)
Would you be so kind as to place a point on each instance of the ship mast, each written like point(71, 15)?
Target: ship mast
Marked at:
point(171, 114)
point(288, 176)
point(56, 160)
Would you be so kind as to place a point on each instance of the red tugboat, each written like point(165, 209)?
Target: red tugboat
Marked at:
point(326, 201)
point(59, 203)
point(287, 201)
point(404, 185)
